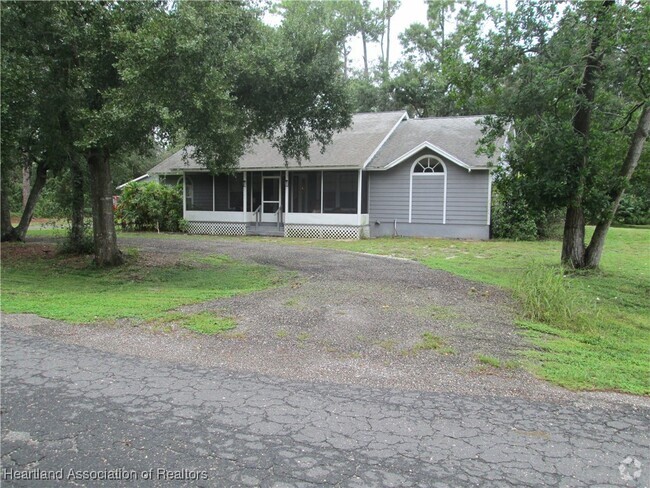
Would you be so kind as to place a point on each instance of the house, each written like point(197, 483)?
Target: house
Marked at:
point(386, 175)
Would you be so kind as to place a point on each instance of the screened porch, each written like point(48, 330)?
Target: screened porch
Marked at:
point(328, 197)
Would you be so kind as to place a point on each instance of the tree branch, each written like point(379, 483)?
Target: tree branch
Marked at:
point(628, 117)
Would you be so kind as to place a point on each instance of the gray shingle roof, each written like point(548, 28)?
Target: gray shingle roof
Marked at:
point(350, 148)
point(457, 136)
point(172, 164)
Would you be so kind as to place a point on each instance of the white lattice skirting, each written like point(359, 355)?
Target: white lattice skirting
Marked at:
point(322, 231)
point(217, 228)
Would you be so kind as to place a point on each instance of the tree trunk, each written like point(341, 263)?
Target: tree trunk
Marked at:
point(7, 231)
point(597, 244)
point(77, 203)
point(365, 54)
point(20, 231)
point(27, 179)
point(345, 61)
point(388, 15)
point(573, 244)
point(101, 192)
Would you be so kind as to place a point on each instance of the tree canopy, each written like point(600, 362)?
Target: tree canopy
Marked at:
point(125, 74)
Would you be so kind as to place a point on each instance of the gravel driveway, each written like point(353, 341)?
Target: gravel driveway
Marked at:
point(346, 318)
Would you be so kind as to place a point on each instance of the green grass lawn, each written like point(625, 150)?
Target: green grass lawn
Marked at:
point(591, 329)
point(37, 281)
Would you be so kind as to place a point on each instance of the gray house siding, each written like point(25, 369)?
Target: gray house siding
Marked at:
point(388, 194)
point(428, 199)
point(467, 196)
point(466, 206)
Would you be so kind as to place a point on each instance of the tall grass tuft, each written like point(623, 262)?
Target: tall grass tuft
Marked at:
point(547, 296)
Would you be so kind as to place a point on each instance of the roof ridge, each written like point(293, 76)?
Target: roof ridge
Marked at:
point(448, 117)
point(379, 113)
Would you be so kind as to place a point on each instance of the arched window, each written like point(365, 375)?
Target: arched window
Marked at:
point(428, 165)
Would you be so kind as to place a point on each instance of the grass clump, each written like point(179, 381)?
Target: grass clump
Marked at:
point(387, 344)
point(208, 323)
point(302, 337)
point(428, 342)
point(437, 312)
point(489, 360)
point(546, 296)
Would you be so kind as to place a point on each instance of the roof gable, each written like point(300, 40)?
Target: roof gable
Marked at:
point(432, 147)
point(455, 138)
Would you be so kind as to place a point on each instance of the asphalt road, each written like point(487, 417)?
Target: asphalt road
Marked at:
point(100, 414)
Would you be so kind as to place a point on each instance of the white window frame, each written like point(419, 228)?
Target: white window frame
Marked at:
point(428, 174)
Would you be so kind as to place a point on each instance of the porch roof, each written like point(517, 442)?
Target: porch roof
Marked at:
point(351, 148)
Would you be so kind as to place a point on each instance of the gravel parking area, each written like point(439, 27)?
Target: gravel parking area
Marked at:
point(345, 317)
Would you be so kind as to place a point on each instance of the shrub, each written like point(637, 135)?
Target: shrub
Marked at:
point(151, 206)
point(633, 210)
point(511, 219)
point(84, 245)
point(550, 224)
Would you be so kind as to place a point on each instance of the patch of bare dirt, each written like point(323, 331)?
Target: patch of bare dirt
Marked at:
point(14, 251)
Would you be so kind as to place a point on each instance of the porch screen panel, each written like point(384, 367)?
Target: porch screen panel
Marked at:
point(221, 193)
point(340, 192)
point(198, 191)
point(305, 192)
point(254, 191)
point(236, 193)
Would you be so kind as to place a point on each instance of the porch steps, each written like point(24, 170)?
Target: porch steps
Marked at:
point(265, 229)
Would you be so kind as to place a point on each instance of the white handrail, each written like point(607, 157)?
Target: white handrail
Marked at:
point(258, 215)
point(279, 215)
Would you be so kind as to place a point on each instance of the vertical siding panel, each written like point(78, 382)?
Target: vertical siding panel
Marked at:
point(428, 199)
point(467, 196)
point(388, 194)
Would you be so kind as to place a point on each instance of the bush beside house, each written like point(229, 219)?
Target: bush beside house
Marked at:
point(151, 206)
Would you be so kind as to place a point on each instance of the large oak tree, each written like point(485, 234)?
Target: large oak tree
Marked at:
point(574, 86)
point(137, 72)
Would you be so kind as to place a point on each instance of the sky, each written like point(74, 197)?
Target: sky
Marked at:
point(410, 12)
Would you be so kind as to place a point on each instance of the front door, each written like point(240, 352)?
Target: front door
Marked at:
point(271, 198)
